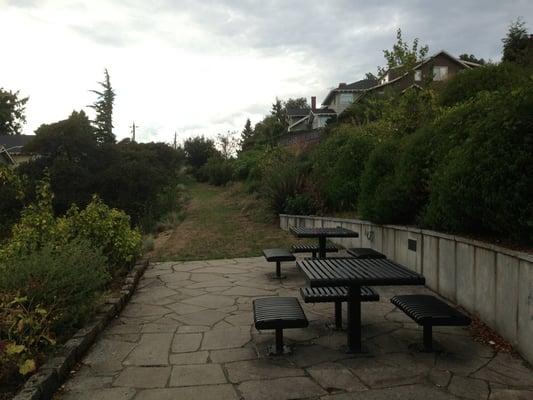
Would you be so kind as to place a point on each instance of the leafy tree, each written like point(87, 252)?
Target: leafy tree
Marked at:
point(246, 135)
point(69, 153)
point(11, 112)
point(227, 144)
point(300, 102)
point(402, 55)
point(104, 111)
point(516, 45)
point(139, 178)
point(198, 150)
point(268, 131)
point(472, 58)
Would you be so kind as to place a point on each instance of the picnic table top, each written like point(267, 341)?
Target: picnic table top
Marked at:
point(303, 232)
point(350, 271)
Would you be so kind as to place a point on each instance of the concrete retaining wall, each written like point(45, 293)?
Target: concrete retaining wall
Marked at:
point(489, 281)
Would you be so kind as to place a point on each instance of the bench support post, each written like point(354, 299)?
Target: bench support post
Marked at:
point(279, 341)
point(354, 319)
point(428, 337)
point(278, 269)
point(338, 315)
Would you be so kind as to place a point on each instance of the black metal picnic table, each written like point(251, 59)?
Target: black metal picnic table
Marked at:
point(354, 273)
point(322, 234)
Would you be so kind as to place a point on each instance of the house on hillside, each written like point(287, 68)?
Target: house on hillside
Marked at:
point(14, 146)
point(314, 118)
point(439, 67)
point(341, 97)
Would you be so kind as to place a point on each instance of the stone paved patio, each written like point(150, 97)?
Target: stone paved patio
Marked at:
point(188, 334)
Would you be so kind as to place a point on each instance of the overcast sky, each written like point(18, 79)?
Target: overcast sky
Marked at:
point(203, 67)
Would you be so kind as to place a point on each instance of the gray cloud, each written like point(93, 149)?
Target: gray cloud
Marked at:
point(346, 37)
point(327, 41)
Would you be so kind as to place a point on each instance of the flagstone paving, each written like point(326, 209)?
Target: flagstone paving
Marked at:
point(188, 334)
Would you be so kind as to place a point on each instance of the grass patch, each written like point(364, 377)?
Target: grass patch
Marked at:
point(222, 223)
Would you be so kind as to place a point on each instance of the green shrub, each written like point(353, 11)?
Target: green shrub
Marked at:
point(337, 166)
point(11, 199)
point(217, 171)
point(376, 184)
point(468, 84)
point(300, 204)
point(104, 227)
point(486, 185)
point(129, 176)
point(392, 114)
point(37, 226)
point(63, 280)
point(246, 162)
point(281, 177)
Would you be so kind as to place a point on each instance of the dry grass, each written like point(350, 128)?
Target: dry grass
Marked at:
point(221, 223)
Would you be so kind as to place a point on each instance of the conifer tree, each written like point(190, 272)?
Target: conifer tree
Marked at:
point(103, 106)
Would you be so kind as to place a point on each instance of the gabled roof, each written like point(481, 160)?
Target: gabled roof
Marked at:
point(297, 112)
point(15, 143)
point(5, 157)
point(323, 110)
point(466, 64)
point(301, 120)
point(348, 88)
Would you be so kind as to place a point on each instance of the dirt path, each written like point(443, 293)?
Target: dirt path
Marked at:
point(220, 223)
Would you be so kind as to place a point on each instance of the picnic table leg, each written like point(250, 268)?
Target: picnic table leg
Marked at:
point(354, 319)
point(321, 247)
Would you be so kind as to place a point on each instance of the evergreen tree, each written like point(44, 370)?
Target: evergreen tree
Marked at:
point(11, 112)
point(246, 134)
point(104, 111)
point(516, 45)
point(278, 111)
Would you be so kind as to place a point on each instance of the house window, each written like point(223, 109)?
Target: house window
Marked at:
point(346, 98)
point(418, 75)
point(440, 73)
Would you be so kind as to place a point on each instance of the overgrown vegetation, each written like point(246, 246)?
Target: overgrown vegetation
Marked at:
point(452, 156)
point(70, 224)
point(52, 270)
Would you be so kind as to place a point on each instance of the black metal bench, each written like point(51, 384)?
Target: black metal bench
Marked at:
point(278, 256)
point(365, 253)
point(313, 249)
point(335, 295)
point(429, 311)
point(278, 313)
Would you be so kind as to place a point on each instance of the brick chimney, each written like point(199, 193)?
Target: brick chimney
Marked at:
point(313, 103)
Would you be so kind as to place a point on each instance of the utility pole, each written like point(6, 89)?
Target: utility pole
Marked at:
point(133, 127)
point(175, 140)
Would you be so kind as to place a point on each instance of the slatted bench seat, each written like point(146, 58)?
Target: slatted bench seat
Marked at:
point(313, 249)
point(365, 253)
point(278, 256)
point(335, 295)
point(278, 313)
point(429, 311)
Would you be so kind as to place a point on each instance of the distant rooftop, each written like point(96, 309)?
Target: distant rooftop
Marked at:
point(297, 112)
point(361, 85)
point(15, 143)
